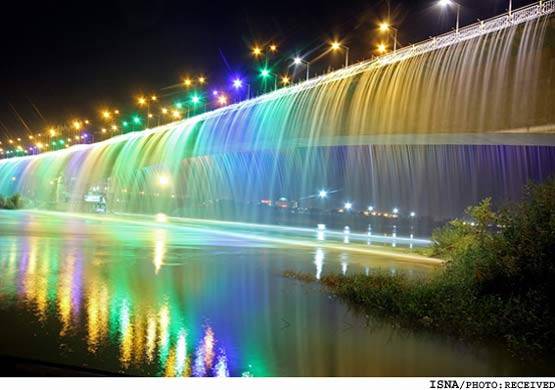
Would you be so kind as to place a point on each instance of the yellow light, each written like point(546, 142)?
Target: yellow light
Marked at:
point(76, 124)
point(188, 82)
point(164, 110)
point(163, 181)
point(10, 141)
point(116, 112)
point(382, 48)
point(150, 115)
point(256, 51)
point(285, 80)
point(114, 127)
point(176, 114)
point(76, 137)
point(202, 80)
point(154, 98)
point(141, 101)
point(335, 45)
point(39, 145)
point(161, 218)
point(384, 27)
point(103, 131)
point(52, 132)
point(106, 114)
point(30, 137)
point(273, 48)
point(86, 122)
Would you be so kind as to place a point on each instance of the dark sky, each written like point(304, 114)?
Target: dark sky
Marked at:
point(66, 59)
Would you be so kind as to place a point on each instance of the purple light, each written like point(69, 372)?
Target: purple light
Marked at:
point(215, 92)
point(85, 135)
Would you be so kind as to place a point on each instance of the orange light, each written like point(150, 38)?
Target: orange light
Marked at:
point(222, 100)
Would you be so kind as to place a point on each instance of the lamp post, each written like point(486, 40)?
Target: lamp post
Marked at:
point(238, 84)
point(299, 61)
point(447, 3)
point(386, 27)
point(338, 45)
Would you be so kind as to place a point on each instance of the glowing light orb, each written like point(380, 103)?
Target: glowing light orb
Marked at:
point(163, 181)
point(161, 217)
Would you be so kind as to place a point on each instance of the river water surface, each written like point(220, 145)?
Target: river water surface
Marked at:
point(149, 297)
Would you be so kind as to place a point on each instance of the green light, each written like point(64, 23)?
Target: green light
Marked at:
point(53, 143)
point(179, 105)
point(61, 142)
point(195, 99)
point(136, 120)
point(265, 72)
point(125, 123)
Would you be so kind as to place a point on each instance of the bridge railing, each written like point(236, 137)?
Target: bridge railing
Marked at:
point(496, 23)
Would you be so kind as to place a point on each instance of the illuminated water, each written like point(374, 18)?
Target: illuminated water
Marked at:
point(433, 133)
point(143, 298)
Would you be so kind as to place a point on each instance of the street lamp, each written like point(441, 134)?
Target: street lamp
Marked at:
point(265, 73)
point(163, 181)
point(348, 206)
point(381, 48)
point(298, 61)
point(222, 100)
point(238, 84)
point(336, 45)
point(323, 194)
point(386, 27)
point(448, 3)
point(285, 80)
point(256, 51)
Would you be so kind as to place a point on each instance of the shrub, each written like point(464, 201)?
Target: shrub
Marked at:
point(12, 203)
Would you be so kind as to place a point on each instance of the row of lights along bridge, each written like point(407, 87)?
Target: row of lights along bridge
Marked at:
point(155, 113)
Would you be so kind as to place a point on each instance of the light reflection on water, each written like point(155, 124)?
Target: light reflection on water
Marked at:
point(159, 301)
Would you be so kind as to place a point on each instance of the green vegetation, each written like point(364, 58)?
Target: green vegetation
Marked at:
point(11, 203)
point(498, 283)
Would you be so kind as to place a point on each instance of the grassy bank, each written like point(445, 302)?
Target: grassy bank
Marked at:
point(10, 203)
point(498, 283)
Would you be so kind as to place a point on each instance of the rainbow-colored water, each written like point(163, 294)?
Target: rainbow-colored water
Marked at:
point(432, 133)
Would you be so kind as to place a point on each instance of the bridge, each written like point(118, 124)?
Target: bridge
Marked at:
point(488, 84)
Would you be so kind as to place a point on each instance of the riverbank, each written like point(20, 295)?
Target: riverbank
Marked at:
point(496, 286)
point(10, 203)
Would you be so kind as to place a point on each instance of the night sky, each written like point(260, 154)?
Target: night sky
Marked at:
point(68, 59)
